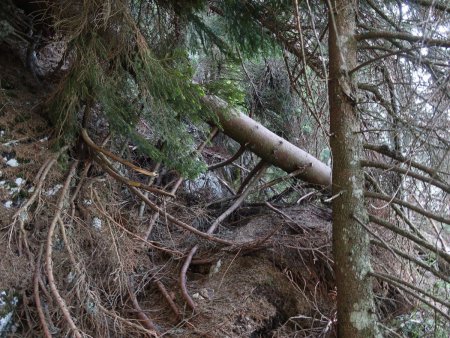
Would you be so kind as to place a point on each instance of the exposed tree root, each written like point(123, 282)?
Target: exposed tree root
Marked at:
point(37, 297)
point(169, 300)
point(48, 255)
point(143, 318)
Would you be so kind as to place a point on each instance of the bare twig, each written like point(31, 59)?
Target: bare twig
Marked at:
point(407, 205)
point(126, 321)
point(398, 281)
point(172, 219)
point(229, 160)
point(105, 166)
point(151, 180)
point(22, 214)
point(430, 180)
point(412, 259)
point(410, 236)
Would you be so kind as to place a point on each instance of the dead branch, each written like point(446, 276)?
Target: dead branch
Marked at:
point(105, 166)
point(126, 163)
point(284, 178)
point(396, 209)
point(173, 220)
point(412, 259)
point(397, 282)
point(229, 160)
point(430, 180)
point(177, 184)
point(126, 321)
point(439, 5)
point(435, 228)
point(143, 240)
point(423, 41)
point(150, 182)
point(250, 176)
point(22, 214)
point(385, 150)
point(410, 236)
point(48, 254)
point(413, 207)
point(375, 235)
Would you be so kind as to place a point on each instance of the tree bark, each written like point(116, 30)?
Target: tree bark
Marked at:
point(355, 304)
point(267, 145)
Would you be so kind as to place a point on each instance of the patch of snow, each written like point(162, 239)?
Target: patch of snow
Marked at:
point(87, 202)
point(12, 163)
point(4, 322)
point(20, 181)
point(96, 223)
point(14, 190)
point(197, 296)
point(23, 216)
point(31, 189)
point(2, 183)
point(216, 268)
point(44, 139)
point(8, 204)
point(71, 277)
point(54, 190)
point(91, 308)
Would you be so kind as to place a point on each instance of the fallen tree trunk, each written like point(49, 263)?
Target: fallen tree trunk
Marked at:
point(267, 145)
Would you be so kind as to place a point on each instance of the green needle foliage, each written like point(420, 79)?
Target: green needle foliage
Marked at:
point(115, 68)
point(132, 62)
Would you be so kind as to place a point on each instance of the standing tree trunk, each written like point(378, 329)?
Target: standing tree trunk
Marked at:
point(355, 304)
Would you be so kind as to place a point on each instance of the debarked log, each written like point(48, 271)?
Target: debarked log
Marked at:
point(267, 145)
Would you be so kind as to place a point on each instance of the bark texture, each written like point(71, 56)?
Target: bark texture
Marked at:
point(355, 304)
point(267, 145)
